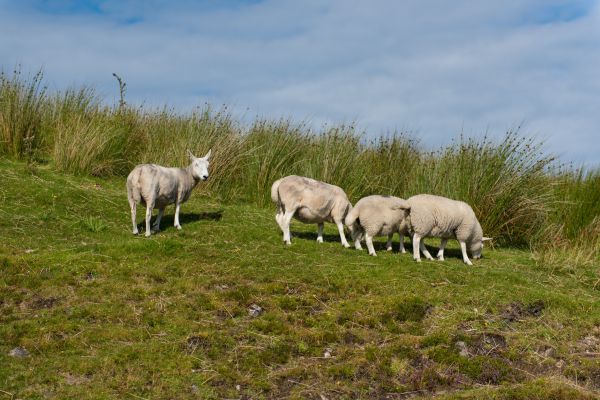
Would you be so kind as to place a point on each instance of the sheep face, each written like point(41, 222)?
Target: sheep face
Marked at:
point(199, 166)
point(475, 248)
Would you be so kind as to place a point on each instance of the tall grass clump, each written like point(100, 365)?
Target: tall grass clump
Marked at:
point(334, 156)
point(505, 183)
point(92, 144)
point(572, 235)
point(165, 136)
point(22, 103)
point(578, 195)
point(272, 149)
point(390, 163)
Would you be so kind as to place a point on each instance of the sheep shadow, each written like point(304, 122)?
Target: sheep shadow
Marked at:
point(184, 218)
point(327, 237)
point(378, 244)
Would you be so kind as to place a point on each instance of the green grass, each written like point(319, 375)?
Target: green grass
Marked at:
point(105, 314)
point(521, 194)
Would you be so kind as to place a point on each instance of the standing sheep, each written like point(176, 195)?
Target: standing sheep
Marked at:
point(157, 186)
point(310, 201)
point(376, 216)
point(436, 216)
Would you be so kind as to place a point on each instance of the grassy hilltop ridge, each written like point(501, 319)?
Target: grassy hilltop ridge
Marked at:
point(105, 314)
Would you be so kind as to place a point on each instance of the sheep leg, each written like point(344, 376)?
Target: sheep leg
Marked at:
point(156, 225)
point(149, 208)
point(440, 254)
point(369, 242)
point(463, 249)
point(357, 245)
point(176, 222)
point(340, 227)
point(388, 245)
point(133, 206)
point(320, 232)
point(402, 249)
point(416, 239)
point(425, 251)
point(285, 226)
point(279, 216)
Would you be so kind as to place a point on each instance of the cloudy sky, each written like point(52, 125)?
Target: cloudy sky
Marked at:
point(433, 68)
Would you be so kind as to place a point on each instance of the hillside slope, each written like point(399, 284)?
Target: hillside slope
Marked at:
point(104, 314)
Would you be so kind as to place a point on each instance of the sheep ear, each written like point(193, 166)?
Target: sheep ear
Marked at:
point(485, 239)
point(208, 154)
point(190, 155)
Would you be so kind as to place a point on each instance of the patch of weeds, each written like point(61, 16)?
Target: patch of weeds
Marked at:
point(349, 337)
point(346, 315)
point(270, 324)
point(241, 294)
point(434, 339)
point(412, 309)
point(93, 224)
point(430, 379)
point(277, 353)
point(294, 303)
point(199, 302)
point(342, 371)
point(585, 371)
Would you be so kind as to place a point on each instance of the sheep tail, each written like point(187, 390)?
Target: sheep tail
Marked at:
point(275, 191)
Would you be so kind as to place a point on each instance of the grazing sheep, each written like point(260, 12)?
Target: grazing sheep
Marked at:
point(310, 201)
point(376, 216)
point(436, 216)
point(157, 186)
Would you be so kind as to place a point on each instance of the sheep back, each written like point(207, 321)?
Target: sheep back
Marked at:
point(437, 216)
point(380, 215)
point(314, 201)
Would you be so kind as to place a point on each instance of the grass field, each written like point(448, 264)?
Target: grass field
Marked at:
point(104, 314)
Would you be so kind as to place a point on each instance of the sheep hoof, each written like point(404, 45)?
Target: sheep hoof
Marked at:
point(136, 232)
point(440, 258)
point(389, 249)
point(319, 240)
point(403, 251)
point(417, 260)
point(346, 245)
point(468, 263)
point(358, 247)
point(147, 234)
point(373, 254)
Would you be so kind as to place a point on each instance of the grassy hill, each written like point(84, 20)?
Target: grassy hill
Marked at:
point(104, 314)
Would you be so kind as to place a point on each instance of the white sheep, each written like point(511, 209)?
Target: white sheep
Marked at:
point(377, 216)
point(157, 186)
point(309, 201)
point(436, 216)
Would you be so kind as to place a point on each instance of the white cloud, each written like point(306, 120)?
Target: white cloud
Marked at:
point(434, 68)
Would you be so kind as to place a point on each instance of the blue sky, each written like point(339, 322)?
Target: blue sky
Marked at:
point(431, 68)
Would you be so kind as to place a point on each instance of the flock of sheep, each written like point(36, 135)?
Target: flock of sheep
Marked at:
point(311, 201)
